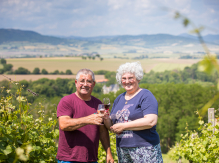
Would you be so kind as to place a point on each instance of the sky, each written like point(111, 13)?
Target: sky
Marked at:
point(88, 18)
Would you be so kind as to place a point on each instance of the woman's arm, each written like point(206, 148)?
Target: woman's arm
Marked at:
point(147, 122)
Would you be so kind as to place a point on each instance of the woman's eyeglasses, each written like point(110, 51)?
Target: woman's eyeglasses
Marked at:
point(130, 79)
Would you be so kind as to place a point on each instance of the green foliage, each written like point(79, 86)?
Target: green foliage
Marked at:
point(101, 72)
point(198, 146)
point(68, 72)
point(2, 71)
point(55, 72)
point(36, 71)
point(187, 76)
point(23, 137)
point(8, 67)
point(44, 71)
point(111, 76)
point(22, 70)
point(3, 61)
point(102, 153)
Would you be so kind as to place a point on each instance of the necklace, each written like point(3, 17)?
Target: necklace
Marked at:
point(130, 96)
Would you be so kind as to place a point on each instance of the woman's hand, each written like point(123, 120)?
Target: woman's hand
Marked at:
point(106, 115)
point(117, 128)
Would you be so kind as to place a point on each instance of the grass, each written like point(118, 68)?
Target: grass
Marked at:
point(76, 63)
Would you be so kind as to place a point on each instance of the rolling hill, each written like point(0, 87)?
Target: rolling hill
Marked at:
point(19, 42)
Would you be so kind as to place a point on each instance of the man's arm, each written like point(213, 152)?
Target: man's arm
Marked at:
point(104, 138)
point(67, 123)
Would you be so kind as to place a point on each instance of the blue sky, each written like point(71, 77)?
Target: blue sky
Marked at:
point(107, 17)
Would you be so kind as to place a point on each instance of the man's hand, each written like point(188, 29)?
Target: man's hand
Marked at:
point(95, 119)
point(109, 158)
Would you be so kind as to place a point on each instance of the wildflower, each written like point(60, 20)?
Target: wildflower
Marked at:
point(8, 90)
point(201, 122)
point(19, 151)
point(23, 157)
point(29, 149)
point(21, 98)
point(50, 119)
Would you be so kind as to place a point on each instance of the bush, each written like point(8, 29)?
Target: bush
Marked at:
point(36, 71)
point(102, 153)
point(8, 67)
point(44, 71)
point(22, 70)
point(198, 146)
point(23, 137)
point(68, 72)
point(3, 61)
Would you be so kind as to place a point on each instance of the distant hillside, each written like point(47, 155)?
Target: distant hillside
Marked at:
point(145, 40)
point(11, 35)
point(120, 46)
point(208, 38)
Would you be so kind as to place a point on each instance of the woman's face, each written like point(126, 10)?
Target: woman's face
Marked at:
point(129, 82)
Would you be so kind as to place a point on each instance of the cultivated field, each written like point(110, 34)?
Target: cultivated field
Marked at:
point(36, 77)
point(76, 63)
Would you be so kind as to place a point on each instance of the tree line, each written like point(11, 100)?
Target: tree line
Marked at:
point(7, 68)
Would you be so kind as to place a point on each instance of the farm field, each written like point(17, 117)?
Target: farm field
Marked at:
point(36, 77)
point(76, 63)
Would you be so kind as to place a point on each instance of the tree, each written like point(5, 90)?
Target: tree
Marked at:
point(2, 71)
point(55, 72)
point(3, 61)
point(68, 72)
point(36, 71)
point(8, 67)
point(22, 70)
point(44, 71)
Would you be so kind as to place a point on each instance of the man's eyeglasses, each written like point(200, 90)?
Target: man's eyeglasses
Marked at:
point(88, 82)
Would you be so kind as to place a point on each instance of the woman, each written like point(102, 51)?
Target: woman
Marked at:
point(133, 118)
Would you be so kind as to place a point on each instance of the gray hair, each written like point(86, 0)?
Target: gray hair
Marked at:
point(133, 67)
point(85, 71)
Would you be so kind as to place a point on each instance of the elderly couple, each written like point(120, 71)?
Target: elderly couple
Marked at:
point(135, 112)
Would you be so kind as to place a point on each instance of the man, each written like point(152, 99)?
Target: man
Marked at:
point(79, 127)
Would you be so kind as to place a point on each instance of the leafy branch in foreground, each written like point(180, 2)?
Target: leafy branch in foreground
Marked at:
point(23, 137)
point(201, 145)
point(209, 63)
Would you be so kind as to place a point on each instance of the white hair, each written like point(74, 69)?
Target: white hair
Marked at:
point(85, 71)
point(133, 68)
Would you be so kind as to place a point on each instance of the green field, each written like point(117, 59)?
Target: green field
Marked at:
point(76, 63)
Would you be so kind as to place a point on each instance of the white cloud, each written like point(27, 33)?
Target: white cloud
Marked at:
point(108, 17)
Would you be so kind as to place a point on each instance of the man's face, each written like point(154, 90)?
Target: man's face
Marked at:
point(85, 84)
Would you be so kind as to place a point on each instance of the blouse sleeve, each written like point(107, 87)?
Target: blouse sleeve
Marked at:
point(149, 104)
